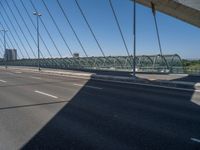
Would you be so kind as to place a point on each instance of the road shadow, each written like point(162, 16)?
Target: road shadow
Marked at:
point(189, 78)
point(122, 117)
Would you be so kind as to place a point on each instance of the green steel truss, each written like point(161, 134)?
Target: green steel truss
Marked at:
point(144, 63)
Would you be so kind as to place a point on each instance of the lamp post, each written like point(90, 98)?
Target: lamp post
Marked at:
point(5, 55)
point(37, 14)
point(134, 38)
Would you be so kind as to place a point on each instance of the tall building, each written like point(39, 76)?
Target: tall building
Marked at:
point(10, 54)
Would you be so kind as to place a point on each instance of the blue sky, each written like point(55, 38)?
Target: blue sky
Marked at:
point(176, 36)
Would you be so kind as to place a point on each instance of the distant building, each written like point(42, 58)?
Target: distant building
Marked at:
point(76, 55)
point(10, 54)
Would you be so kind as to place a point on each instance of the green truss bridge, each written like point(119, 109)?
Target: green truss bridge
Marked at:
point(144, 63)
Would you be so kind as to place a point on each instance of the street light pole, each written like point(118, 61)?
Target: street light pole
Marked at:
point(134, 38)
point(37, 14)
point(5, 55)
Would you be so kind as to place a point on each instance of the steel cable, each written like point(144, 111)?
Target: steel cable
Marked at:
point(7, 26)
point(21, 29)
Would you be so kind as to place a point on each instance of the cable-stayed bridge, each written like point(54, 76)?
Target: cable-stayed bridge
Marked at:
point(17, 18)
point(186, 10)
point(74, 109)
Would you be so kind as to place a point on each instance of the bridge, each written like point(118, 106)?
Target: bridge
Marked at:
point(144, 63)
point(187, 11)
point(92, 101)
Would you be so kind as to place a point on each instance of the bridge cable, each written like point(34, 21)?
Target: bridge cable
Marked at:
point(20, 29)
point(90, 28)
point(47, 49)
point(119, 28)
point(157, 31)
point(54, 44)
point(47, 30)
point(10, 44)
point(9, 39)
point(26, 26)
point(156, 25)
point(15, 33)
point(7, 35)
point(35, 28)
point(13, 29)
point(72, 28)
point(3, 42)
point(59, 31)
point(57, 27)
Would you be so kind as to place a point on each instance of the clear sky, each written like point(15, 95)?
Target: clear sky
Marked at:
point(176, 36)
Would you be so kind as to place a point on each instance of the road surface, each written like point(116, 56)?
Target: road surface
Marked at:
point(48, 112)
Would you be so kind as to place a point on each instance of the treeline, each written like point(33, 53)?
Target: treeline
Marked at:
point(191, 63)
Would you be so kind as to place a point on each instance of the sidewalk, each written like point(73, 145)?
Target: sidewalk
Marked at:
point(156, 82)
point(171, 80)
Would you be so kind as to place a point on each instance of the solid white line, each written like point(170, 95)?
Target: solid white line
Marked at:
point(195, 140)
point(46, 94)
point(3, 81)
point(151, 85)
point(88, 86)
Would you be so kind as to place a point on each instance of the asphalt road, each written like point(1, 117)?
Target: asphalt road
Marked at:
point(49, 112)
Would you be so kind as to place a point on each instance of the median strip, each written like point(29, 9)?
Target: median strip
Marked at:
point(88, 86)
point(46, 94)
point(195, 140)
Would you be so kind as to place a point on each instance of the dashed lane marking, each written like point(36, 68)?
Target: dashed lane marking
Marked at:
point(46, 94)
point(195, 140)
point(3, 81)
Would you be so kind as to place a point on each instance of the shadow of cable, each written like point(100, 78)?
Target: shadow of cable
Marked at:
point(31, 105)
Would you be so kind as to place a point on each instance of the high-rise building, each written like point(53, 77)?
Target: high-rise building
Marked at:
point(10, 54)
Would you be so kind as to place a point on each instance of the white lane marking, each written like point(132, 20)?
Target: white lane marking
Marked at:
point(195, 140)
point(18, 72)
point(78, 84)
point(3, 81)
point(36, 78)
point(151, 85)
point(46, 94)
point(93, 87)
